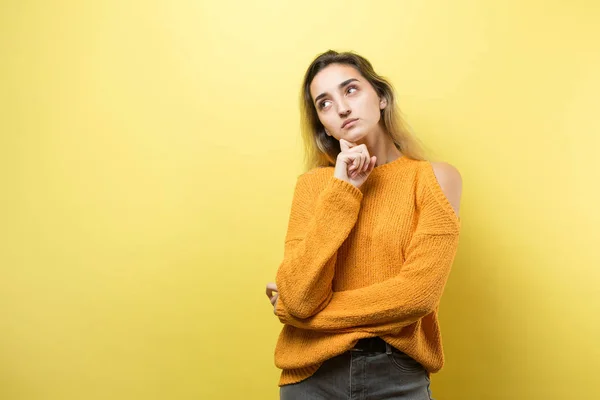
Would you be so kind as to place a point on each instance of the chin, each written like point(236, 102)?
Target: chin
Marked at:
point(354, 135)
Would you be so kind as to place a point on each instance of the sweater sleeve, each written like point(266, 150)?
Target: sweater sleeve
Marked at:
point(412, 294)
point(318, 225)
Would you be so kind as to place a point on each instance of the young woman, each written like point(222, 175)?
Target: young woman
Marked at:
point(371, 238)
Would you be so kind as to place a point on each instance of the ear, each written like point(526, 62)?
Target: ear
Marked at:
point(383, 103)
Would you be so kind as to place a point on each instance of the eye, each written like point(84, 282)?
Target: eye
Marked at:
point(351, 89)
point(324, 104)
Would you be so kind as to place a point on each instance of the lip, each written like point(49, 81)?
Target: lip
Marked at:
point(349, 121)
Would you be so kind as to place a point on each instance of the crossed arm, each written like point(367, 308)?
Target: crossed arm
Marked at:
point(305, 297)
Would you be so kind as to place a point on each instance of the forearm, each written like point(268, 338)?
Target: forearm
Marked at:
point(332, 327)
point(304, 277)
point(392, 304)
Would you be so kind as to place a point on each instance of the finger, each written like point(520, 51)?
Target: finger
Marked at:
point(352, 160)
point(366, 159)
point(352, 157)
point(367, 164)
point(274, 299)
point(346, 145)
point(356, 163)
point(358, 149)
point(372, 163)
point(366, 155)
point(271, 287)
point(352, 163)
point(361, 162)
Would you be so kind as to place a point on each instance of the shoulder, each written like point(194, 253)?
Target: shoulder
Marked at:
point(450, 181)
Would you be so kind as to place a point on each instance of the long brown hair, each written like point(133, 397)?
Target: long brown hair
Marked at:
point(321, 150)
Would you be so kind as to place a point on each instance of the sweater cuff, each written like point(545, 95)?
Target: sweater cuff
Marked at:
point(344, 188)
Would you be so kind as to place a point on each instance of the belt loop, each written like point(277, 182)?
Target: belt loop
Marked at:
point(388, 348)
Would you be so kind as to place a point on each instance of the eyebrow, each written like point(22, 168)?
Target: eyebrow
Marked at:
point(341, 85)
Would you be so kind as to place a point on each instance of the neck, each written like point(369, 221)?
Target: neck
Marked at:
point(382, 146)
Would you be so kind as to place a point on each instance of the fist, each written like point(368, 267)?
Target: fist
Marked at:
point(354, 163)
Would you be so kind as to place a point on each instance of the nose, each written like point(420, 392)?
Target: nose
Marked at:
point(344, 109)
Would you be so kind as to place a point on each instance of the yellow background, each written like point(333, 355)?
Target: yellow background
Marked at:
point(149, 151)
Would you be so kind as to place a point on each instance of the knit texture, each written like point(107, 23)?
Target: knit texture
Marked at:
point(362, 263)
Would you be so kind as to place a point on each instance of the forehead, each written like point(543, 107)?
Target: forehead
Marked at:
point(328, 79)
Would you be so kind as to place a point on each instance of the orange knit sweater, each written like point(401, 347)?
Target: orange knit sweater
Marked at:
point(363, 263)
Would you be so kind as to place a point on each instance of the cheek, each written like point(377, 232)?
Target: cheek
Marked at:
point(327, 121)
point(370, 107)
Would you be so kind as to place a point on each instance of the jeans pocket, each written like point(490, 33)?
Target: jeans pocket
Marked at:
point(405, 363)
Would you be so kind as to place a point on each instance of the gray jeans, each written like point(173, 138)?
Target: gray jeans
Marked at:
point(363, 375)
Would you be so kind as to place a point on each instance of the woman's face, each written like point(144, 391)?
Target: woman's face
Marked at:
point(346, 103)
